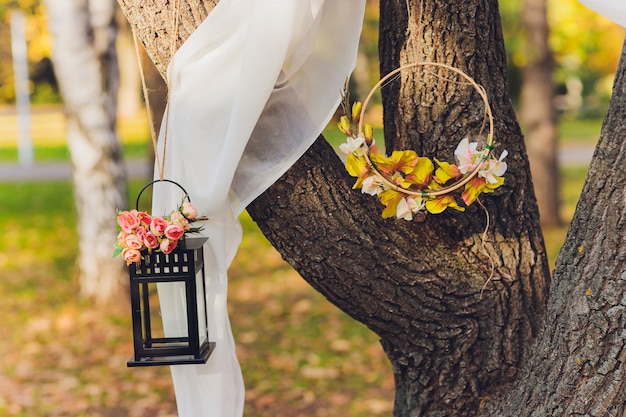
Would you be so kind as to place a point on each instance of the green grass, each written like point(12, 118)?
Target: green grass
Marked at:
point(579, 131)
point(56, 153)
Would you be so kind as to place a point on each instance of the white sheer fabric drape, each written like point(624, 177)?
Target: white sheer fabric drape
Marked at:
point(251, 89)
point(614, 10)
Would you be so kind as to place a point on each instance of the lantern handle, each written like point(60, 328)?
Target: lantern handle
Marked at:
point(160, 180)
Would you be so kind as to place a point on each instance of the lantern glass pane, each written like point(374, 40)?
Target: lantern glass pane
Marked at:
point(202, 313)
point(152, 325)
point(174, 296)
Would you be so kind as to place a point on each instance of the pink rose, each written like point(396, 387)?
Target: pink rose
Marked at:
point(140, 231)
point(158, 226)
point(150, 240)
point(174, 232)
point(133, 242)
point(178, 218)
point(188, 210)
point(167, 246)
point(121, 236)
point(131, 255)
point(144, 218)
point(127, 221)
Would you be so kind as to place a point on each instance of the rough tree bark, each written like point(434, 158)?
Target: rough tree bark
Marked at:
point(578, 364)
point(537, 111)
point(418, 284)
point(86, 68)
point(475, 348)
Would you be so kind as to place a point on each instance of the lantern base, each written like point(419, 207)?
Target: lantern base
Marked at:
point(172, 360)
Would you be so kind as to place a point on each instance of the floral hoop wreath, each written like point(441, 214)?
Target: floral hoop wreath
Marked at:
point(407, 183)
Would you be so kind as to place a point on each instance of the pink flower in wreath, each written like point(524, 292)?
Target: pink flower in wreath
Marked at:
point(174, 232)
point(188, 210)
point(467, 155)
point(150, 240)
point(494, 169)
point(167, 246)
point(127, 221)
point(133, 242)
point(158, 226)
point(131, 255)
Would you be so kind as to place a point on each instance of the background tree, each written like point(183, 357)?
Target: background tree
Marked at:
point(538, 112)
point(586, 49)
point(86, 67)
point(455, 350)
point(44, 87)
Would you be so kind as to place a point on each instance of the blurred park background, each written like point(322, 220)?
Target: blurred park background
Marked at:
point(60, 355)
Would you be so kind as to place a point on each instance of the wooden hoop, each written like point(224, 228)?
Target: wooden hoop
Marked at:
point(467, 177)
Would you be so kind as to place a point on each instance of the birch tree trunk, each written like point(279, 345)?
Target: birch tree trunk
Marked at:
point(455, 350)
point(86, 67)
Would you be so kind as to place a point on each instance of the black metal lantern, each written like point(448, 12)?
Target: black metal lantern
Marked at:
point(183, 269)
point(179, 274)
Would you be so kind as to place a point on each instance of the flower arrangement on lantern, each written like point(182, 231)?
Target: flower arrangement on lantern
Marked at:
point(140, 231)
point(406, 183)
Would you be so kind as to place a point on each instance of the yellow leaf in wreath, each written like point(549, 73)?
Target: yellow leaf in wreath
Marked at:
point(472, 190)
point(421, 173)
point(439, 204)
point(398, 161)
point(356, 111)
point(446, 172)
point(358, 167)
point(344, 126)
point(489, 187)
point(368, 133)
point(390, 198)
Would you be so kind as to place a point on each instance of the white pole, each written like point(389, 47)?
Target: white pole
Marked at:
point(22, 100)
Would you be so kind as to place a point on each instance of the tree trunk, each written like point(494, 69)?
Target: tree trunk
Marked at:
point(578, 365)
point(85, 65)
point(418, 284)
point(455, 350)
point(537, 111)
